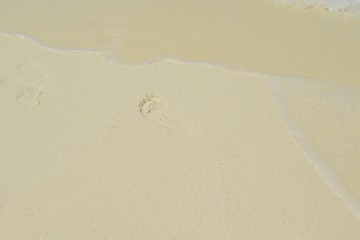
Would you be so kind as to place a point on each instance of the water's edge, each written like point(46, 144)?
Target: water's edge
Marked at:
point(276, 83)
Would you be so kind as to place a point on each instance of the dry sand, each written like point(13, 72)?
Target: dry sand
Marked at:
point(94, 149)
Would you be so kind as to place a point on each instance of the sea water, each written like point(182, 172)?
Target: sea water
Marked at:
point(350, 7)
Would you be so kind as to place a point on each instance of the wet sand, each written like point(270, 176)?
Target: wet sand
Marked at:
point(94, 146)
point(254, 34)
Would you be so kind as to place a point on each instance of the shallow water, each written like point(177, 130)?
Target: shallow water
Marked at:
point(252, 34)
point(349, 7)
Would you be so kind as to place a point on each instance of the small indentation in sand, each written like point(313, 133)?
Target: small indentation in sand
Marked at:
point(153, 108)
point(25, 85)
point(156, 109)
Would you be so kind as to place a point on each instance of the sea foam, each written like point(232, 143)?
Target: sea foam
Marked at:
point(349, 7)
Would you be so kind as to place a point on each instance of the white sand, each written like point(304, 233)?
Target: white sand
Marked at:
point(84, 158)
point(94, 149)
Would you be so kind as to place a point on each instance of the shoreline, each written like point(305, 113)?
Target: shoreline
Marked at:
point(113, 57)
point(267, 37)
point(96, 145)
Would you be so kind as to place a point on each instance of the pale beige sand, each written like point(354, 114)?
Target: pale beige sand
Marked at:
point(91, 149)
point(252, 34)
point(328, 118)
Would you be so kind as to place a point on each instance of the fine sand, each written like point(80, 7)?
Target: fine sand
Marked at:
point(95, 148)
point(252, 34)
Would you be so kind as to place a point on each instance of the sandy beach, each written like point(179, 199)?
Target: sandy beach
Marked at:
point(136, 120)
point(258, 35)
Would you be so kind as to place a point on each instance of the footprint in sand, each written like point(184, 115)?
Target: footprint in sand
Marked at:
point(24, 84)
point(153, 108)
point(156, 109)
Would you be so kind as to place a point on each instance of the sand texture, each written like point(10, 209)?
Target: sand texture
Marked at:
point(192, 120)
point(252, 34)
point(157, 151)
